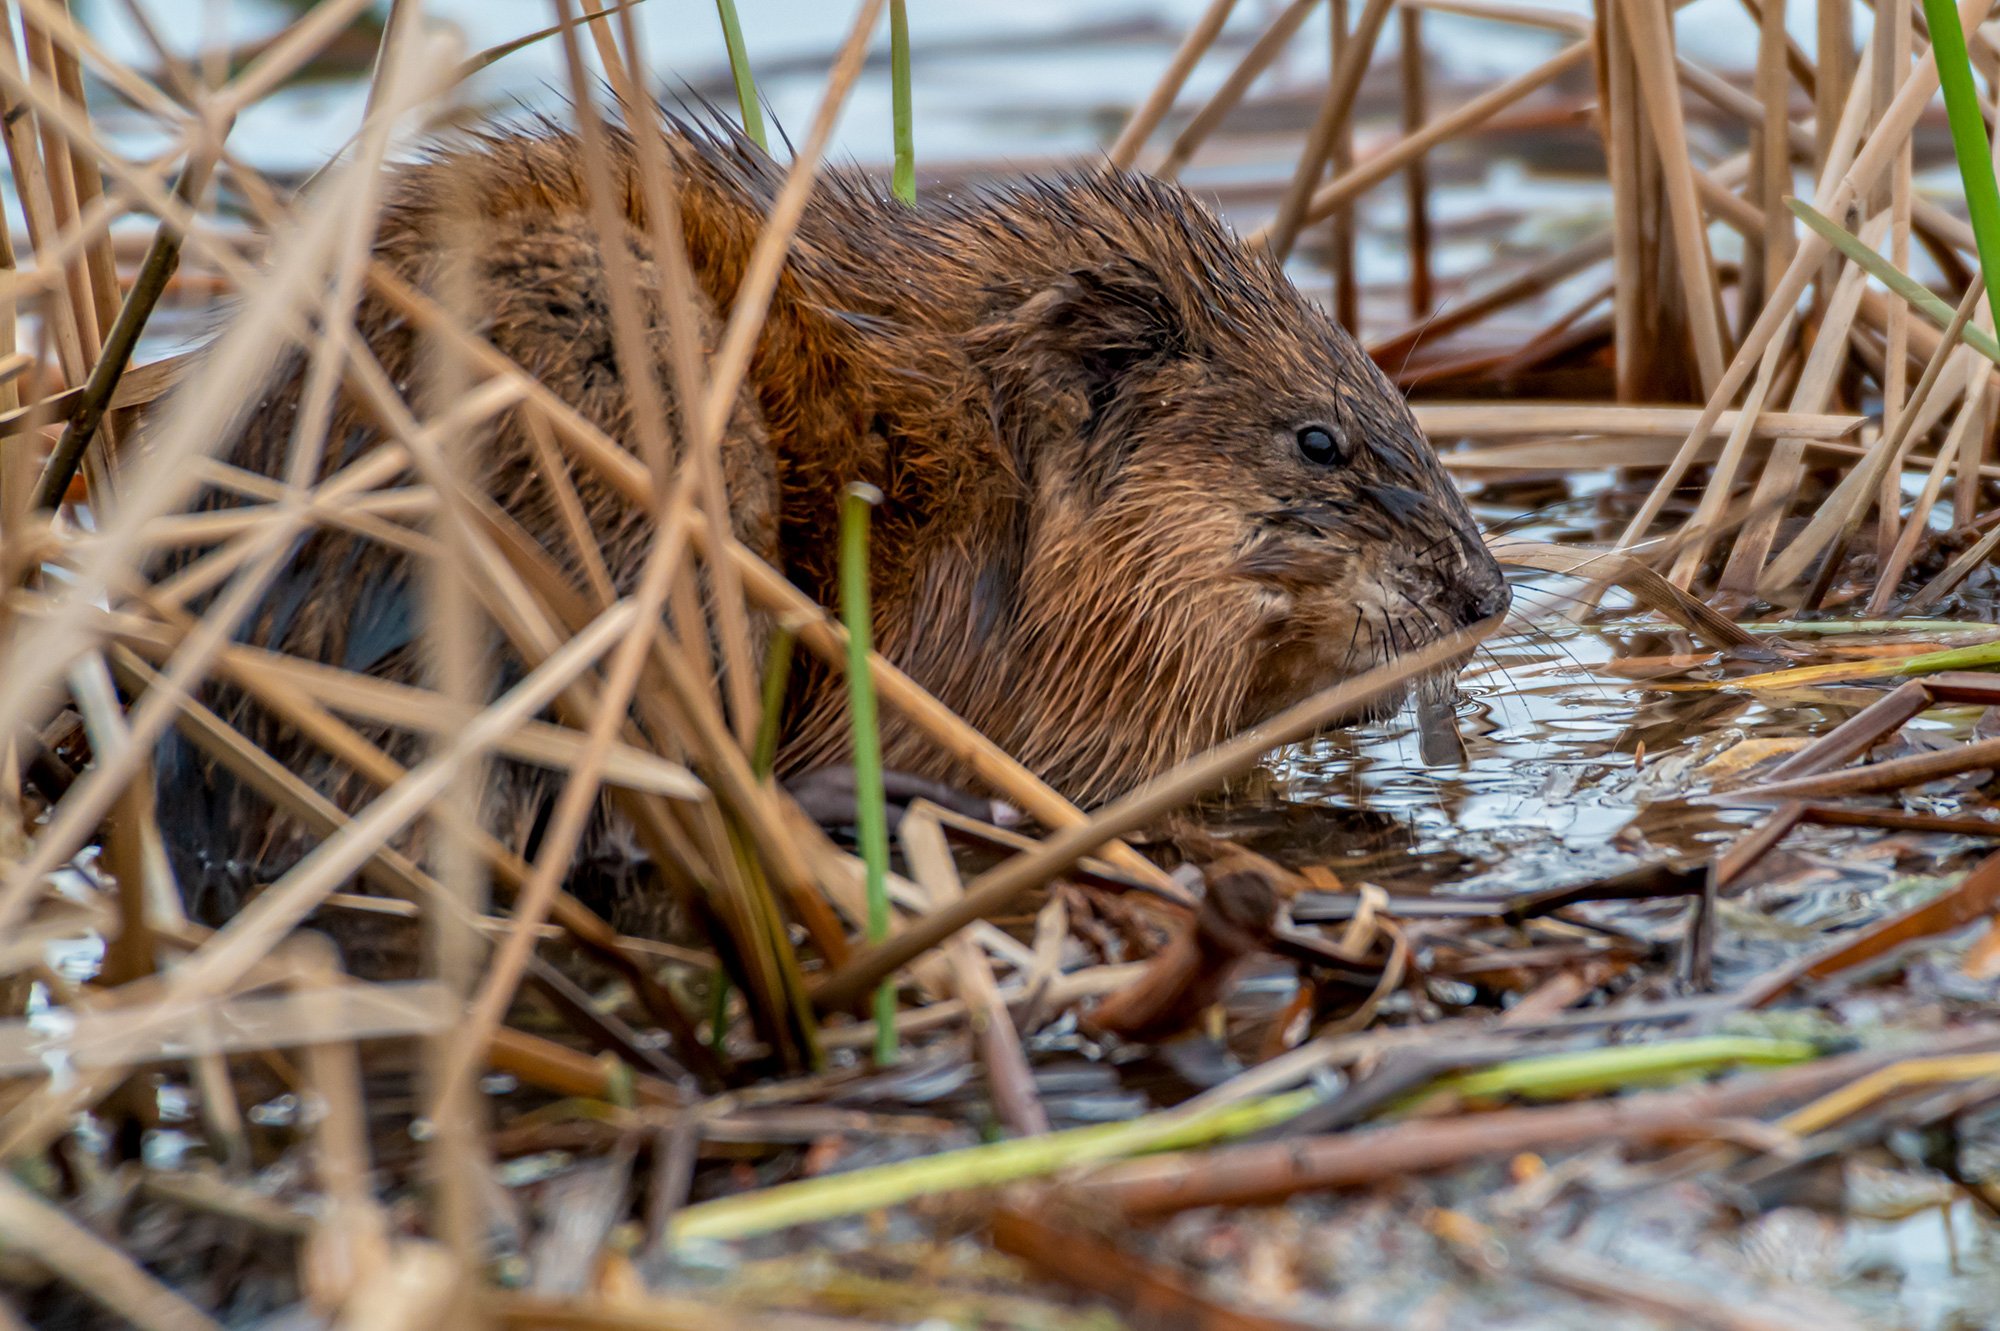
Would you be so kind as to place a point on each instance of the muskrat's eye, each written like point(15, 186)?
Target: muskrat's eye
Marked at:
point(1318, 446)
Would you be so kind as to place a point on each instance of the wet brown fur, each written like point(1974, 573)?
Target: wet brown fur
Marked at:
point(1080, 397)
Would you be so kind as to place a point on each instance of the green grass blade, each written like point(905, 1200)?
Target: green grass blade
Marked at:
point(870, 817)
point(480, 60)
point(739, 69)
point(904, 182)
point(1979, 656)
point(1619, 1067)
point(1968, 138)
point(777, 675)
point(1920, 297)
point(862, 1190)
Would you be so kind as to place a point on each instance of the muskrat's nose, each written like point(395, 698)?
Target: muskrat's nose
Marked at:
point(1478, 596)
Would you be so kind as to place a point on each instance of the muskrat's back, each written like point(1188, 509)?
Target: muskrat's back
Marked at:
point(1139, 493)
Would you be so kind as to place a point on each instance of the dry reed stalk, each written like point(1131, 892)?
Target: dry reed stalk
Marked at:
point(350, 485)
point(777, 596)
point(1532, 16)
point(1647, 586)
point(1971, 416)
point(349, 1246)
point(1416, 182)
point(578, 795)
point(286, 55)
point(1733, 210)
point(1834, 64)
point(1892, 43)
point(143, 384)
point(1225, 99)
point(389, 870)
point(456, 639)
point(1625, 157)
point(1701, 528)
point(386, 868)
point(663, 216)
point(1150, 112)
point(273, 913)
point(423, 1287)
point(1468, 420)
point(55, 19)
point(59, 178)
point(368, 514)
point(407, 707)
point(996, 888)
point(1356, 48)
point(1772, 175)
point(86, 802)
point(1533, 281)
point(1009, 1079)
point(1377, 167)
point(672, 704)
point(1565, 453)
point(1835, 192)
point(93, 1267)
point(1651, 48)
point(1340, 236)
point(1973, 557)
point(1836, 518)
point(101, 270)
point(1783, 470)
point(245, 354)
point(31, 183)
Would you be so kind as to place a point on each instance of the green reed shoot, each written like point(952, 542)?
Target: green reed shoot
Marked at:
point(870, 817)
point(777, 675)
point(904, 181)
point(1968, 138)
point(739, 69)
point(1920, 297)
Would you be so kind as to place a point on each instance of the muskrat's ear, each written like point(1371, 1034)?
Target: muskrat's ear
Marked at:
point(1116, 318)
point(1071, 347)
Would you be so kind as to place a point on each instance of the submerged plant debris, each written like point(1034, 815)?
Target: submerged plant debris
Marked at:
point(1648, 982)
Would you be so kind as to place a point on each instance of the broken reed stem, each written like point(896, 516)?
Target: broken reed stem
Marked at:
point(163, 259)
point(739, 72)
point(904, 182)
point(870, 815)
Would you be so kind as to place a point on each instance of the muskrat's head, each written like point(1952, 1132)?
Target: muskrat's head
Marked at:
point(1231, 506)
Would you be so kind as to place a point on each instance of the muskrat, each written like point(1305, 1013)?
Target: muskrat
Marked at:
point(1139, 492)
